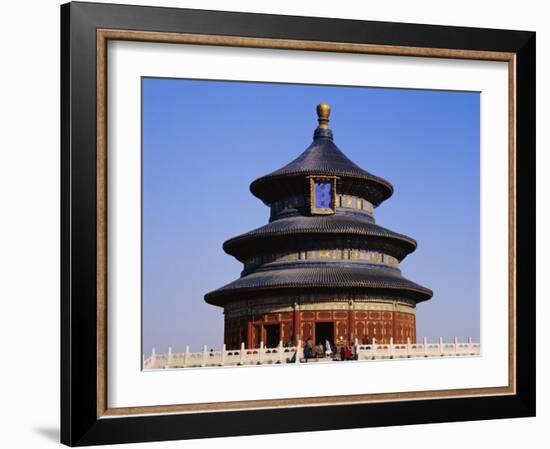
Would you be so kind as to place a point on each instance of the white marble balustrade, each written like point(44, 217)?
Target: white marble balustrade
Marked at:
point(295, 354)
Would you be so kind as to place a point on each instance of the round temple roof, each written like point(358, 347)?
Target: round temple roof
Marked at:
point(272, 280)
point(307, 230)
point(342, 226)
point(322, 157)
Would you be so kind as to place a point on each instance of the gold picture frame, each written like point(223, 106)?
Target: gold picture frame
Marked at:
point(105, 35)
point(313, 195)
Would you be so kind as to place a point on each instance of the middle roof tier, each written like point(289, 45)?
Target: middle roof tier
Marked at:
point(301, 231)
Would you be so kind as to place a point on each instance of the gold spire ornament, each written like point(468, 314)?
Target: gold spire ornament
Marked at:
point(323, 113)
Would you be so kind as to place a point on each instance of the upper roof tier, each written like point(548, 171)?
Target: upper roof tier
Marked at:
point(322, 157)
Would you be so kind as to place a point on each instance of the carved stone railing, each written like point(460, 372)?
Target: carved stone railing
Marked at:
point(295, 354)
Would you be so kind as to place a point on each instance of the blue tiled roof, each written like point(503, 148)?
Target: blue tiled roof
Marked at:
point(322, 157)
point(324, 226)
point(317, 278)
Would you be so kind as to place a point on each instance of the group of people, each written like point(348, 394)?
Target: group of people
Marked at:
point(320, 350)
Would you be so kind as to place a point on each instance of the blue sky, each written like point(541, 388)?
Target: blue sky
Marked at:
point(204, 142)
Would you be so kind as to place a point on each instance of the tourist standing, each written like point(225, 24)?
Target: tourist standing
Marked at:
point(328, 349)
point(308, 350)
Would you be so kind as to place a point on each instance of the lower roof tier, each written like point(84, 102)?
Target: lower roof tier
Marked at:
point(294, 231)
point(367, 280)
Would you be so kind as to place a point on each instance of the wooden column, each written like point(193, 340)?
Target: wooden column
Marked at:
point(296, 323)
point(394, 322)
point(351, 321)
point(249, 332)
point(225, 330)
point(414, 329)
point(263, 336)
point(243, 332)
point(249, 329)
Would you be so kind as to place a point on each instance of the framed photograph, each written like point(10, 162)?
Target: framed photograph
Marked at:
point(283, 224)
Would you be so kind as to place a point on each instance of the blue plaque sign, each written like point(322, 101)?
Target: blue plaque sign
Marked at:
point(323, 195)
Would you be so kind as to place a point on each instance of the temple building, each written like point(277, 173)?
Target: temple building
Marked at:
point(321, 269)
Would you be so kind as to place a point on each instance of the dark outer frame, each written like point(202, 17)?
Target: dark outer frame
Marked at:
point(81, 424)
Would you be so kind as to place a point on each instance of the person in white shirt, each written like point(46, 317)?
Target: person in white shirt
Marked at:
point(328, 349)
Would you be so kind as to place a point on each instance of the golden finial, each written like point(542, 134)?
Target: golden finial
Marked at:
point(323, 113)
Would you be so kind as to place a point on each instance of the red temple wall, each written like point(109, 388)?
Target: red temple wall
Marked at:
point(363, 324)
